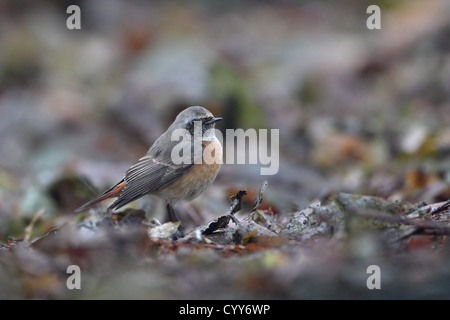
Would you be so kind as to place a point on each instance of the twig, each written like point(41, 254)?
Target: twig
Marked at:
point(222, 222)
point(29, 228)
point(236, 202)
point(258, 200)
point(51, 231)
point(441, 208)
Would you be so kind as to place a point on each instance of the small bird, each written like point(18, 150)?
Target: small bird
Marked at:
point(167, 172)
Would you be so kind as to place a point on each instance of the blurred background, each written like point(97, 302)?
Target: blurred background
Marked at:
point(359, 110)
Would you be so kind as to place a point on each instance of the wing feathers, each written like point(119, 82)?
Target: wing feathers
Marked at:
point(146, 176)
point(153, 171)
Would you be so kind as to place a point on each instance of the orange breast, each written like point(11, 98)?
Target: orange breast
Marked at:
point(191, 184)
point(212, 152)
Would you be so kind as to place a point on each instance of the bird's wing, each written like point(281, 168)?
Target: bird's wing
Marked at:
point(153, 171)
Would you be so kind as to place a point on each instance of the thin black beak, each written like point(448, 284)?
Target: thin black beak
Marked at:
point(213, 120)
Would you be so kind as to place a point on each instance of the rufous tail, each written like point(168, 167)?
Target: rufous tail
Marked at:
point(110, 193)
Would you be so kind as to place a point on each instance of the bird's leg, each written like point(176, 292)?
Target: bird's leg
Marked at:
point(173, 217)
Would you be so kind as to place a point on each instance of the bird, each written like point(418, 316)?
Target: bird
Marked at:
point(179, 165)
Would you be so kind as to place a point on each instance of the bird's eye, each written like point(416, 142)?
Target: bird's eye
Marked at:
point(207, 120)
point(190, 126)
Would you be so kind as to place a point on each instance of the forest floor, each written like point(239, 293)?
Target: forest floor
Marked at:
point(358, 208)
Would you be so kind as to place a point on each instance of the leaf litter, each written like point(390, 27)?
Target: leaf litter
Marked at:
point(259, 249)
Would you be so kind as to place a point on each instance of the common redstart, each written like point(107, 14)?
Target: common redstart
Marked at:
point(172, 169)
